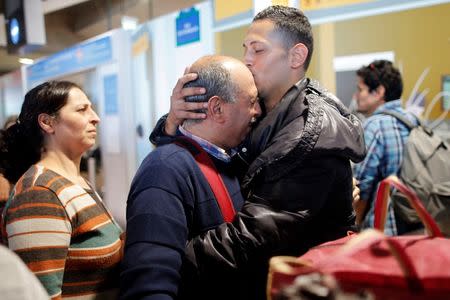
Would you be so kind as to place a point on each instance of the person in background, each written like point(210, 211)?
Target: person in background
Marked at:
point(5, 185)
point(54, 220)
point(379, 89)
point(297, 158)
point(17, 282)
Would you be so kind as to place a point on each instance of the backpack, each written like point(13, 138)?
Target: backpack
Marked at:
point(426, 170)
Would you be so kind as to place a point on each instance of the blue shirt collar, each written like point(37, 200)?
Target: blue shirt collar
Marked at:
point(391, 105)
point(210, 148)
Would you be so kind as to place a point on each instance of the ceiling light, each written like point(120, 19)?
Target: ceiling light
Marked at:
point(26, 61)
point(129, 23)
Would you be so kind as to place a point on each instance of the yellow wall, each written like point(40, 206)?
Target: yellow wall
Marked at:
point(230, 42)
point(313, 70)
point(229, 8)
point(420, 38)
point(280, 2)
point(319, 4)
point(321, 65)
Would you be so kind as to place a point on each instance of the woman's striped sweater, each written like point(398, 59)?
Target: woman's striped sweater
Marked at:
point(65, 235)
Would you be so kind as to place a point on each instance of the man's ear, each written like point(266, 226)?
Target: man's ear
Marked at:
point(298, 54)
point(46, 122)
point(216, 109)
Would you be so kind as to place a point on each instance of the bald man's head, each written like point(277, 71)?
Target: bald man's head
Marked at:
point(232, 100)
point(214, 75)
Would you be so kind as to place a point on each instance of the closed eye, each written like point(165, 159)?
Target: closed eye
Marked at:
point(254, 100)
point(82, 108)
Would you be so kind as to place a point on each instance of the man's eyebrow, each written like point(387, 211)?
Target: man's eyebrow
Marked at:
point(254, 99)
point(250, 43)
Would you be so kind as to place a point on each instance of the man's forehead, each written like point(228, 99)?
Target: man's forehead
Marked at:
point(261, 34)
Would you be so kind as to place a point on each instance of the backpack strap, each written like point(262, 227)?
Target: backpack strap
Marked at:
point(401, 118)
point(211, 174)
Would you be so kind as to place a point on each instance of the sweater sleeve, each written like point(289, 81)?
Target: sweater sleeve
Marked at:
point(39, 231)
point(155, 245)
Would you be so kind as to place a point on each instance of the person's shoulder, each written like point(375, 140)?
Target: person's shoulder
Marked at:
point(374, 125)
point(49, 179)
point(408, 115)
point(167, 158)
point(327, 99)
point(40, 183)
point(314, 87)
point(165, 167)
point(376, 120)
point(46, 184)
point(36, 176)
point(167, 155)
point(383, 118)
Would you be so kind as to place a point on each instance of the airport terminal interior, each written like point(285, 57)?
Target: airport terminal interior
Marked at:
point(300, 176)
point(128, 54)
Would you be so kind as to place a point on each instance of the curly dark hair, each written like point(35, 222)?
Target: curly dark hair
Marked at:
point(21, 145)
point(382, 72)
point(293, 26)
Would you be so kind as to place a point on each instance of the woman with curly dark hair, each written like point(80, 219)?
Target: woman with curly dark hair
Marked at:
point(54, 220)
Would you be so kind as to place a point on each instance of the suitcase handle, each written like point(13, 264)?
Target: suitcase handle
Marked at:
point(383, 199)
point(284, 269)
point(371, 238)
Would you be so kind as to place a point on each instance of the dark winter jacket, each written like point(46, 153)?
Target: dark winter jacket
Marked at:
point(299, 160)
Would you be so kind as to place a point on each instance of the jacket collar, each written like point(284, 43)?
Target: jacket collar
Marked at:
point(390, 105)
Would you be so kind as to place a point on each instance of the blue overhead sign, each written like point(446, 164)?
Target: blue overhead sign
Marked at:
point(188, 26)
point(72, 60)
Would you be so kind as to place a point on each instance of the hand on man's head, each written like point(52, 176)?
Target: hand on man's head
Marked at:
point(181, 110)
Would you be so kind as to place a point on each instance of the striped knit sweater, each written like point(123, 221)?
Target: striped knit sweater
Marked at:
point(65, 235)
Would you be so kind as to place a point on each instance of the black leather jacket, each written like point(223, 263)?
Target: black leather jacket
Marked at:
point(308, 121)
point(297, 159)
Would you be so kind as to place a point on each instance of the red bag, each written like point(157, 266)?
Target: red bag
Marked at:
point(400, 267)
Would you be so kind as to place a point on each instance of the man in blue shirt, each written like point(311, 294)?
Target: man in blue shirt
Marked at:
point(379, 90)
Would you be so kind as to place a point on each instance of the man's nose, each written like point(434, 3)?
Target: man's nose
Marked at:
point(247, 58)
point(258, 110)
point(95, 118)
